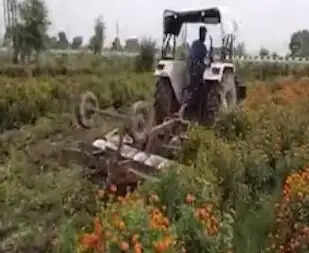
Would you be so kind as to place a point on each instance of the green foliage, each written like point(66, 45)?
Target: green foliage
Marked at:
point(30, 33)
point(191, 232)
point(249, 154)
point(299, 44)
point(39, 189)
point(63, 42)
point(252, 227)
point(67, 238)
point(240, 49)
point(33, 199)
point(264, 52)
point(97, 41)
point(77, 42)
point(145, 60)
point(51, 42)
point(233, 126)
point(171, 192)
point(270, 71)
point(25, 101)
point(237, 167)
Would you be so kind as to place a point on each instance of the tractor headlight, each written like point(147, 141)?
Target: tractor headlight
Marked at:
point(160, 66)
point(215, 71)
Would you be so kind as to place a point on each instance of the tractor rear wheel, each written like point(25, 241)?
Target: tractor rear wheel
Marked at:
point(219, 97)
point(165, 101)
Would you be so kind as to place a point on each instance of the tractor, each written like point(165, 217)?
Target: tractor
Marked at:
point(219, 90)
point(153, 134)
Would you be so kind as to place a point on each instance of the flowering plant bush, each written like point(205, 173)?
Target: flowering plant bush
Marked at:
point(292, 223)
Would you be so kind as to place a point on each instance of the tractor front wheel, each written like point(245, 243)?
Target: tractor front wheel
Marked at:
point(209, 103)
point(229, 94)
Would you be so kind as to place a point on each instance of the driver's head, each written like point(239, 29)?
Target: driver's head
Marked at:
point(203, 32)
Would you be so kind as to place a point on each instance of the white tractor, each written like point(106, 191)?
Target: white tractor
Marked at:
point(219, 90)
point(152, 136)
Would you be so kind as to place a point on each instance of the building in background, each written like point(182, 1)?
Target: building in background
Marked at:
point(132, 44)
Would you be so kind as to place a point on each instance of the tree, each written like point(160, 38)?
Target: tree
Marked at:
point(91, 43)
point(77, 42)
point(299, 44)
point(274, 55)
point(146, 57)
point(51, 42)
point(264, 52)
point(97, 41)
point(63, 42)
point(30, 32)
point(240, 49)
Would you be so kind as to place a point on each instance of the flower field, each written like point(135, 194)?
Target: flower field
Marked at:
point(243, 186)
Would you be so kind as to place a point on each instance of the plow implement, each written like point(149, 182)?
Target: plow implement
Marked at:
point(139, 148)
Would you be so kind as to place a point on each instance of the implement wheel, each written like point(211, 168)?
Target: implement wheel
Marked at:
point(87, 109)
point(141, 121)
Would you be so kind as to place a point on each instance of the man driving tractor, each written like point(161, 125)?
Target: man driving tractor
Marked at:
point(197, 66)
point(199, 51)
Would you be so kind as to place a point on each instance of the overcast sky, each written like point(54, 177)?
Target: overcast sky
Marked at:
point(267, 23)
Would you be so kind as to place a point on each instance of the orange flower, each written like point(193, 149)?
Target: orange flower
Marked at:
point(90, 241)
point(121, 226)
point(296, 188)
point(190, 199)
point(163, 245)
point(113, 188)
point(158, 220)
point(98, 227)
point(124, 246)
point(135, 238)
point(138, 248)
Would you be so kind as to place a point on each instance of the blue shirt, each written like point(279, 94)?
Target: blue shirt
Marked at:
point(198, 51)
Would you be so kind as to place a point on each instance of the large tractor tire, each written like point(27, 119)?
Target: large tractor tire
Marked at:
point(165, 101)
point(241, 90)
point(210, 103)
point(219, 97)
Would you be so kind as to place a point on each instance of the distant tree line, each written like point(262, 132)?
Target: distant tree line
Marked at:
point(298, 46)
point(62, 42)
point(29, 36)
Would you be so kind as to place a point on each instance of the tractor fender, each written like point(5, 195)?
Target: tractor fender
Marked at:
point(216, 70)
point(176, 72)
